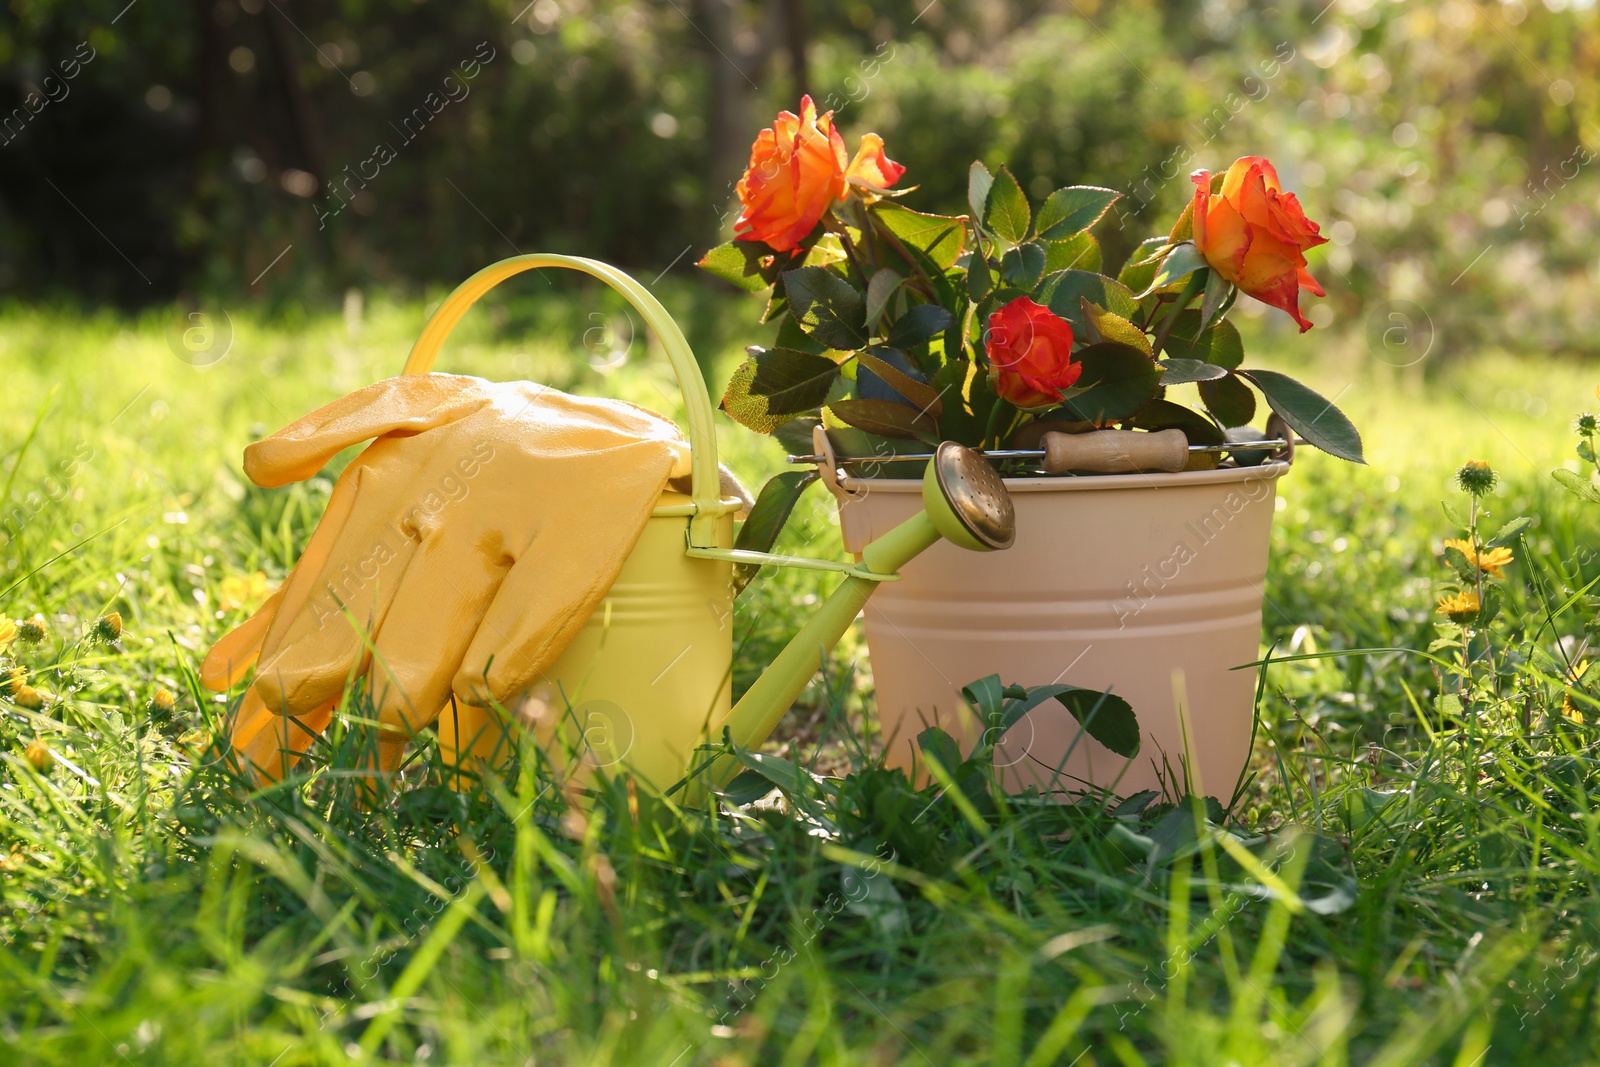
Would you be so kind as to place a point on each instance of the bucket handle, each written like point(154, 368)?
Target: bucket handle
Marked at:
point(705, 484)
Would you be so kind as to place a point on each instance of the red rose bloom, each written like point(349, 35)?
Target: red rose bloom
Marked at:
point(797, 170)
point(1255, 235)
point(1030, 354)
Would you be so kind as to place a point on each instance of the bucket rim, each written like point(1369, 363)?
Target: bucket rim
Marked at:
point(1058, 483)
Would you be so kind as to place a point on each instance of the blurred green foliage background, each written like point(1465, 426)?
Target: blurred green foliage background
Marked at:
point(288, 150)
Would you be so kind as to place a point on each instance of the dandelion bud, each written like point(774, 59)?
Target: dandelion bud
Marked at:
point(162, 705)
point(107, 628)
point(1477, 477)
point(33, 630)
point(1588, 424)
point(41, 757)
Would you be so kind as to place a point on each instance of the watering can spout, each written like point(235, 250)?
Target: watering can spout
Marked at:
point(964, 502)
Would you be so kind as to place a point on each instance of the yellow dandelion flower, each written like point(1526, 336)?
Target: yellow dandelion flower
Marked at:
point(1460, 607)
point(243, 592)
point(11, 680)
point(8, 631)
point(1488, 560)
point(28, 697)
point(33, 630)
point(41, 757)
point(1574, 677)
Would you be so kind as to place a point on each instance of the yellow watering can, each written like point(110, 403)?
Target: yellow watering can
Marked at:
point(648, 679)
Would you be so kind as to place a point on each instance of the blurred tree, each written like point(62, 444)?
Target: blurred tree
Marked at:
point(292, 148)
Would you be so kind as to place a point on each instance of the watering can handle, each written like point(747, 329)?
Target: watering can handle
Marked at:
point(705, 486)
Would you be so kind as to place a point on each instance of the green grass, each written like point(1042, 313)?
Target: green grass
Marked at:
point(1409, 881)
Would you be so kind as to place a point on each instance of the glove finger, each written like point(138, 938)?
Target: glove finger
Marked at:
point(406, 405)
point(564, 572)
point(231, 658)
point(473, 740)
point(334, 611)
point(301, 583)
point(270, 744)
point(449, 585)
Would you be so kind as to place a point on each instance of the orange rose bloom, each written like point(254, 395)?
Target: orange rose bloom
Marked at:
point(1030, 354)
point(797, 170)
point(1255, 235)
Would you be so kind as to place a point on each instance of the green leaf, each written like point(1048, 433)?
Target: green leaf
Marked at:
point(1165, 415)
point(979, 278)
point(1310, 415)
point(1510, 532)
point(797, 783)
point(1140, 270)
point(1182, 261)
point(1174, 836)
point(978, 182)
point(1217, 290)
point(1102, 325)
point(880, 290)
point(1577, 483)
point(918, 325)
point(1023, 266)
point(942, 237)
point(777, 304)
point(738, 262)
point(1184, 371)
point(1064, 292)
point(1219, 345)
point(885, 418)
point(967, 397)
point(772, 508)
point(1183, 229)
point(1489, 605)
point(746, 788)
point(1117, 380)
point(1073, 209)
point(1079, 252)
point(940, 747)
point(745, 408)
point(921, 394)
point(827, 307)
point(986, 695)
point(1465, 569)
point(1229, 399)
point(791, 381)
point(1005, 209)
point(1106, 717)
point(790, 335)
point(795, 435)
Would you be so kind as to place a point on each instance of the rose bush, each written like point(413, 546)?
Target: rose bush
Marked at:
point(897, 328)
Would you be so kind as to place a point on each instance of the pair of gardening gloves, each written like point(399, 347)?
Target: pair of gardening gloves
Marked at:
point(458, 555)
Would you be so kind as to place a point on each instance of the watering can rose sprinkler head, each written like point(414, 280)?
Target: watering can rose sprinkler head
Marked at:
point(967, 500)
point(964, 501)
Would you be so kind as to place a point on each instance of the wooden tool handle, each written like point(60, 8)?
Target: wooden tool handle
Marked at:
point(1116, 451)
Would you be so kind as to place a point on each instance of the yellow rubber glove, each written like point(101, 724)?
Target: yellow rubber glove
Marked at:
point(460, 552)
